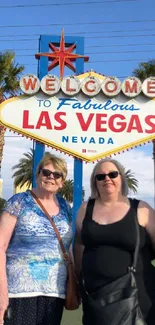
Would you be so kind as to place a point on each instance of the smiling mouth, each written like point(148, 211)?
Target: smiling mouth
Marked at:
point(108, 184)
point(49, 183)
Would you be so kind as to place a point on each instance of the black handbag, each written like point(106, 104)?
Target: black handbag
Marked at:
point(117, 302)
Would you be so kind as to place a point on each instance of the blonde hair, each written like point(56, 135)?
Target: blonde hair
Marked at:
point(94, 190)
point(59, 164)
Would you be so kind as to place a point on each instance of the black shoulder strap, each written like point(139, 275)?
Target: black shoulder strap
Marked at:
point(89, 209)
point(134, 205)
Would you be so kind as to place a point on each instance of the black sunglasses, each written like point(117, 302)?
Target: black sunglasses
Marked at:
point(101, 177)
point(47, 173)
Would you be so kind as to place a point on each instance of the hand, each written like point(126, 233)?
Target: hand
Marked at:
point(4, 302)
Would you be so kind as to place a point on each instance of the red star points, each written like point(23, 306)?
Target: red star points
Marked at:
point(62, 56)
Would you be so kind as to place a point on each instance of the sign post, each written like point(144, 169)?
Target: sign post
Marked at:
point(39, 147)
point(78, 164)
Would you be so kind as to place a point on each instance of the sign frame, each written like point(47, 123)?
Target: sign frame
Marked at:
point(92, 76)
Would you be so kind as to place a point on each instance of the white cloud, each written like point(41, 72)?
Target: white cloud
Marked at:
point(139, 161)
point(13, 150)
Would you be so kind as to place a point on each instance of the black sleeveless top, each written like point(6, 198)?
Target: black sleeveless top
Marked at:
point(108, 252)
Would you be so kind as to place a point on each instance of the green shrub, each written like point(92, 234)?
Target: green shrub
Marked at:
point(2, 203)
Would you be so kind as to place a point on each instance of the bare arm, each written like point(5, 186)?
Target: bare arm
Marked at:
point(78, 246)
point(7, 225)
point(147, 219)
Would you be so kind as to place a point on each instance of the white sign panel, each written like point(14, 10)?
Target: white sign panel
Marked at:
point(87, 128)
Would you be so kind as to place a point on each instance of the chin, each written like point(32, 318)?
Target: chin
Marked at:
point(109, 187)
point(49, 190)
point(109, 191)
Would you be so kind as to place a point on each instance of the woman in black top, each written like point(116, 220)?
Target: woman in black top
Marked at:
point(106, 238)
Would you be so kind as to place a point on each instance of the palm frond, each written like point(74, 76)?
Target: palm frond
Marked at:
point(131, 180)
point(68, 189)
point(23, 170)
point(145, 70)
point(10, 73)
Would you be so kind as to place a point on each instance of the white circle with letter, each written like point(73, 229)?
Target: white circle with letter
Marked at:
point(111, 86)
point(131, 87)
point(29, 84)
point(50, 84)
point(91, 86)
point(70, 85)
point(148, 87)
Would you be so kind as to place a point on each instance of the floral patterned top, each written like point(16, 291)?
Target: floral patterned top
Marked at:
point(34, 264)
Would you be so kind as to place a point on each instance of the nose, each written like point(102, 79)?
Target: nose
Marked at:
point(51, 176)
point(107, 176)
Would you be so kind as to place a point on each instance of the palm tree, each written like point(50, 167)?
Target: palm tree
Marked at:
point(23, 174)
point(132, 181)
point(144, 71)
point(67, 190)
point(9, 84)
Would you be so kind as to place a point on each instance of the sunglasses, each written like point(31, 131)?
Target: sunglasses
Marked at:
point(101, 177)
point(47, 173)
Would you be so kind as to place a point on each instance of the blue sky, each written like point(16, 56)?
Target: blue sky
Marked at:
point(118, 36)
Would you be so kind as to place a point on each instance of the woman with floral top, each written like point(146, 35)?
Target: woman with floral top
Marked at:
point(32, 270)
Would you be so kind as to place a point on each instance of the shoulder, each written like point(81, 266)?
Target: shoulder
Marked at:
point(146, 213)
point(146, 218)
point(144, 207)
point(15, 203)
point(83, 206)
point(18, 197)
point(80, 217)
point(141, 205)
point(81, 212)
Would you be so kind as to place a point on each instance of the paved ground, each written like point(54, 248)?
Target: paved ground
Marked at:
point(72, 317)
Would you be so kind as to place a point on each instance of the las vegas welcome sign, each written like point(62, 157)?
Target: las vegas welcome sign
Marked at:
point(88, 116)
